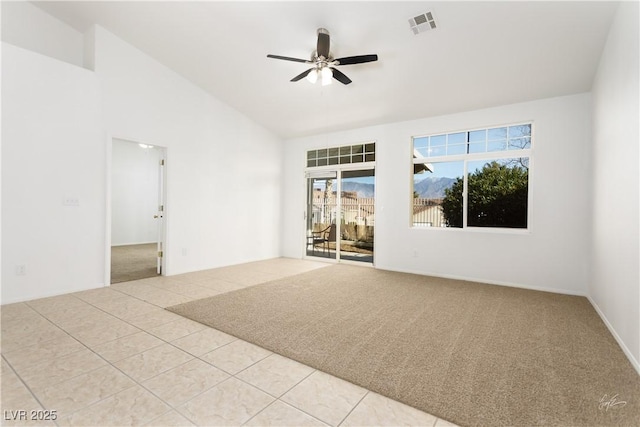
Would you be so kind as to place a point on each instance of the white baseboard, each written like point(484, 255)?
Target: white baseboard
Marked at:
point(621, 343)
point(488, 282)
point(613, 332)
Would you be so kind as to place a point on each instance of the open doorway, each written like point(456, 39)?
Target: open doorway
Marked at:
point(137, 210)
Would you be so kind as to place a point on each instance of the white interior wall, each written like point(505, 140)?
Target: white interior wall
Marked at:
point(551, 255)
point(614, 279)
point(223, 170)
point(53, 170)
point(28, 26)
point(62, 247)
point(134, 193)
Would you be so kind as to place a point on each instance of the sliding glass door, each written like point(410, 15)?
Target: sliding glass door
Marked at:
point(321, 215)
point(357, 216)
point(340, 214)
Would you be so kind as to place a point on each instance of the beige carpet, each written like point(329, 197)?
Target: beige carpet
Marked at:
point(133, 262)
point(470, 353)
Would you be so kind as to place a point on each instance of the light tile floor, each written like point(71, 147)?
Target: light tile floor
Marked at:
point(113, 356)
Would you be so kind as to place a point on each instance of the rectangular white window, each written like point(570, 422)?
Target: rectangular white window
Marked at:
point(358, 153)
point(475, 178)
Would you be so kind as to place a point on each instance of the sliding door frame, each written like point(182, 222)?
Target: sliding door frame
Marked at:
point(308, 174)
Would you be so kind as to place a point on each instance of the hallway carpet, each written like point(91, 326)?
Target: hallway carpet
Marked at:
point(133, 262)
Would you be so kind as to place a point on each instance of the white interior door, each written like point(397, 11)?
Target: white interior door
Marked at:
point(160, 214)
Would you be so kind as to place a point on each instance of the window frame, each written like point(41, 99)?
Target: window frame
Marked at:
point(473, 157)
point(340, 156)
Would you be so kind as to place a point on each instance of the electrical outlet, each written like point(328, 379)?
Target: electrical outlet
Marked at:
point(70, 201)
point(21, 270)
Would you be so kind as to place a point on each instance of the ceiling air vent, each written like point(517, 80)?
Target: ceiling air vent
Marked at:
point(421, 23)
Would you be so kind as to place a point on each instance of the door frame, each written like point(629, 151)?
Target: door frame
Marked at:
point(108, 173)
point(338, 169)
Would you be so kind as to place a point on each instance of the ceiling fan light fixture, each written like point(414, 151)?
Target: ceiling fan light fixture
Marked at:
point(327, 76)
point(312, 77)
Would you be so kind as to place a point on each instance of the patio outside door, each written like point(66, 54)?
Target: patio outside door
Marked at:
point(340, 215)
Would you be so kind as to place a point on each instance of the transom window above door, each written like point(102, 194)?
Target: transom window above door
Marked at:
point(346, 154)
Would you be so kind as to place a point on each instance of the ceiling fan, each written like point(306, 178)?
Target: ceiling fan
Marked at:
point(324, 63)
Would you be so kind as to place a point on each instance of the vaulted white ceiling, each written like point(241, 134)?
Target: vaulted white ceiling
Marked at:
point(482, 54)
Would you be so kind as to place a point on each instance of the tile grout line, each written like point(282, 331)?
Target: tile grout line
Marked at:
point(264, 391)
point(139, 383)
point(203, 391)
point(196, 396)
point(279, 398)
point(276, 398)
point(354, 406)
point(55, 358)
point(302, 410)
point(25, 385)
point(287, 404)
point(194, 357)
point(136, 383)
point(87, 372)
point(259, 412)
point(228, 378)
